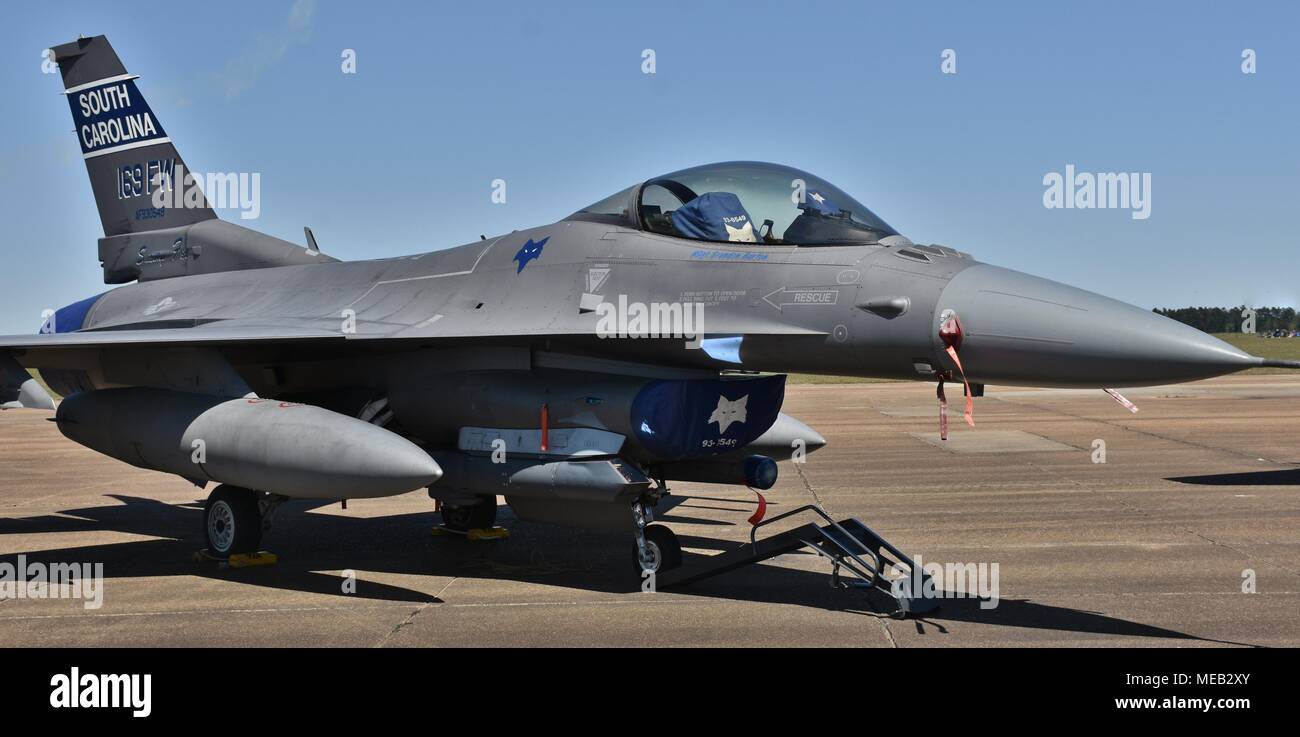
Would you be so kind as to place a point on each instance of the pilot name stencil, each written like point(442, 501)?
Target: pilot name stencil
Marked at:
point(729, 255)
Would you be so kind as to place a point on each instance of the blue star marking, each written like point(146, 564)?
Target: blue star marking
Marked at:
point(529, 251)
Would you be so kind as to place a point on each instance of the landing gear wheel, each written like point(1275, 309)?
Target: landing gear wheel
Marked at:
point(480, 515)
point(663, 551)
point(232, 521)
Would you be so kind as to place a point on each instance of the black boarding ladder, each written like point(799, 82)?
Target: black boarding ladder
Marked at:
point(851, 547)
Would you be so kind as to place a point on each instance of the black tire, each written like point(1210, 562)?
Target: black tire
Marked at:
point(664, 548)
point(481, 515)
point(232, 522)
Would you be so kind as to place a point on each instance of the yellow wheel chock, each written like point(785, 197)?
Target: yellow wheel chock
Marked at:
point(238, 560)
point(486, 533)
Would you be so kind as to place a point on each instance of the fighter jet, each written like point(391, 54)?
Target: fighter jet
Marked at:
point(573, 368)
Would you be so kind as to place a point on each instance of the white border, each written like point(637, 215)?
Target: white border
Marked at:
point(98, 82)
point(127, 147)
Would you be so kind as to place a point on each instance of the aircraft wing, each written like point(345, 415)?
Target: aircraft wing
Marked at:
point(32, 348)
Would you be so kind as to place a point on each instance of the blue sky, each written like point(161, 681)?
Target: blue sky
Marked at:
point(399, 158)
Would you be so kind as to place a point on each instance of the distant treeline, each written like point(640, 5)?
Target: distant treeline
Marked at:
point(1229, 319)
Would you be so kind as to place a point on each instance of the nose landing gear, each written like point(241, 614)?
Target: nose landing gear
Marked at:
point(656, 547)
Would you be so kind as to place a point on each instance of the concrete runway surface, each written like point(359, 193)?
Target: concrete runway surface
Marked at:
point(1199, 488)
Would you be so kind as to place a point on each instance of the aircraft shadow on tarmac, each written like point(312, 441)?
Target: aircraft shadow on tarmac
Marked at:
point(312, 547)
point(1283, 477)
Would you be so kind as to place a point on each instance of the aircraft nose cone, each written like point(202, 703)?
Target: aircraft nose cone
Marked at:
point(1020, 329)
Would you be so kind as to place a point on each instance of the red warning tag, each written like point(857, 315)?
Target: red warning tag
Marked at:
point(759, 513)
point(546, 429)
point(951, 335)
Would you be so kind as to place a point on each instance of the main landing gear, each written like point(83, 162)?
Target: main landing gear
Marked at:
point(234, 520)
point(481, 515)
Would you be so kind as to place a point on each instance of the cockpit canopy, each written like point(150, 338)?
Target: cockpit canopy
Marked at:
point(743, 202)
